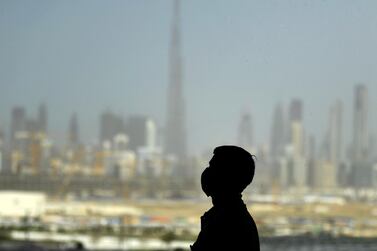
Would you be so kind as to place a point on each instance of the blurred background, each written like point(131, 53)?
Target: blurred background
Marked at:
point(110, 111)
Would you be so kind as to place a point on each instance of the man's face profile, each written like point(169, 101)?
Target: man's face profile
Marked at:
point(211, 176)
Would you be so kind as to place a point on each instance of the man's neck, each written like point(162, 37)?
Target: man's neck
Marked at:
point(227, 201)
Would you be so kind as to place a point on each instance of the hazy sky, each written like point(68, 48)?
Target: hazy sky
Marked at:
point(89, 56)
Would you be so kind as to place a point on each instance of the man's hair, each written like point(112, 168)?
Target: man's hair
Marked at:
point(236, 164)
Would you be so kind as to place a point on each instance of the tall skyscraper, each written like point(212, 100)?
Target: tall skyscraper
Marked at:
point(110, 125)
point(175, 132)
point(295, 110)
point(299, 170)
point(312, 171)
point(42, 118)
point(361, 169)
point(360, 123)
point(296, 127)
point(73, 131)
point(135, 129)
point(18, 122)
point(277, 133)
point(245, 131)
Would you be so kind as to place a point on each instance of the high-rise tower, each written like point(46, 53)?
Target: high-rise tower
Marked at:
point(18, 125)
point(111, 124)
point(361, 169)
point(299, 168)
point(277, 133)
point(73, 131)
point(42, 118)
point(175, 133)
point(296, 127)
point(278, 141)
point(360, 125)
point(245, 131)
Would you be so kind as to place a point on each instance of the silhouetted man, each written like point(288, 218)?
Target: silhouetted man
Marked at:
point(227, 225)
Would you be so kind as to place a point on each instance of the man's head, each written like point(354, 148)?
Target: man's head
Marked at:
point(230, 171)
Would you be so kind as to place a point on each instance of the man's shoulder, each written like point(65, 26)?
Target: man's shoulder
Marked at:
point(227, 230)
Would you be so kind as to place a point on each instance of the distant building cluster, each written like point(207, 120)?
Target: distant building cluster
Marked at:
point(297, 161)
point(133, 150)
point(129, 149)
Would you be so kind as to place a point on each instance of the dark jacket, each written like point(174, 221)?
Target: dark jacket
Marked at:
point(229, 227)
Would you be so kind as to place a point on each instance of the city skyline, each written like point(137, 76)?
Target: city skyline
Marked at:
point(252, 54)
point(283, 129)
point(132, 148)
